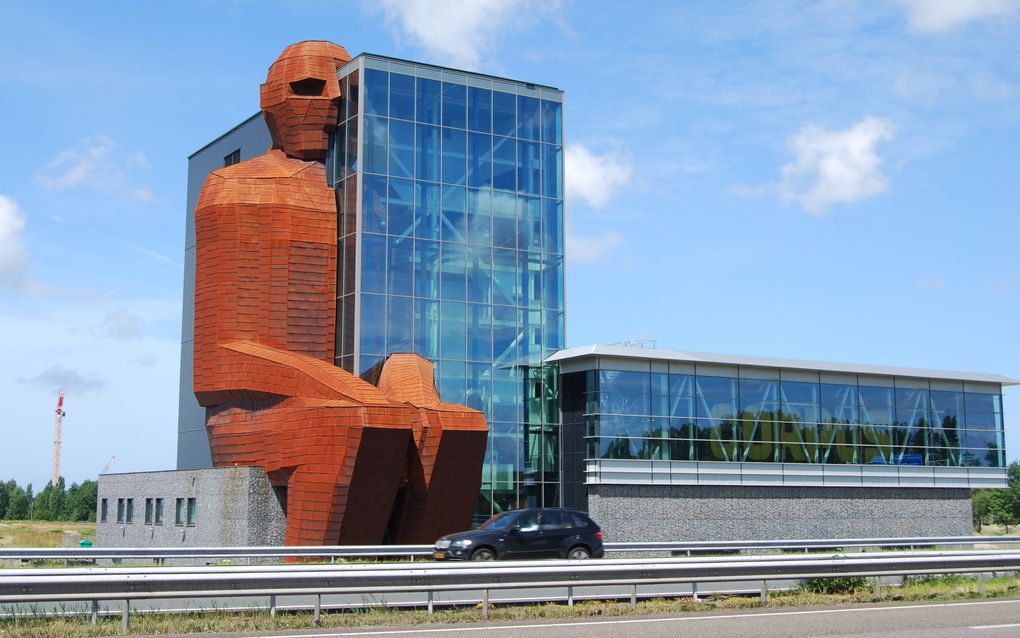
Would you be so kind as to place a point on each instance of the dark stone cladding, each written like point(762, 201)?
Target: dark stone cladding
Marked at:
point(716, 513)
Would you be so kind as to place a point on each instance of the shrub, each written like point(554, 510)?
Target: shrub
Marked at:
point(845, 585)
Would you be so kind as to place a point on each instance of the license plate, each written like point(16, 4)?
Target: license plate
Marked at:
point(439, 555)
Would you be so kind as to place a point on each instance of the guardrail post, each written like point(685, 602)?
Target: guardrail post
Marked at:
point(95, 612)
point(430, 602)
point(272, 605)
point(764, 592)
point(694, 592)
point(318, 609)
point(124, 616)
point(570, 596)
point(878, 587)
point(633, 596)
point(981, 584)
point(485, 603)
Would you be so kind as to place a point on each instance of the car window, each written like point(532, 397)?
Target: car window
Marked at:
point(499, 521)
point(580, 520)
point(528, 522)
point(553, 520)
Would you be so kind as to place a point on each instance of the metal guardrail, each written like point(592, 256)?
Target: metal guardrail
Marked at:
point(126, 584)
point(395, 551)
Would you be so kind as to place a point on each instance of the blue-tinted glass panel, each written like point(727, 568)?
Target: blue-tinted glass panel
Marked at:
point(479, 332)
point(618, 381)
point(426, 268)
point(376, 92)
point(983, 420)
point(455, 105)
point(681, 406)
point(479, 384)
point(427, 153)
point(552, 282)
point(552, 122)
point(399, 325)
point(504, 220)
point(452, 381)
point(977, 402)
point(401, 96)
point(401, 151)
point(452, 333)
point(872, 397)
point(401, 207)
point(552, 224)
point(479, 109)
point(799, 392)
point(373, 204)
point(552, 171)
point(454, 272)
point(427, 94)
point(947, 403)
point(528, 118)
point(681, 385)
point(504, 277)
point(373, 337)
point(479, 159)
point(426, 328)
point(716, 408)
point(454, 221)
point(723, 387)
point(529, 168)
point(757, 390)
point(836, 394)
point(373, 264)
point(504, 113)
point(553, 329)
point(504, 340)
point(479, 204)
point(400, 273)
point(376, 142)
point(427, 202)
point(504, 163)
point(529, 223)
point(479, 284)
point(529, 343)
point(454, 156)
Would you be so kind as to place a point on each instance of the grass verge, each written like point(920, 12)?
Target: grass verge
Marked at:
point(41, 533)
point(856, 592)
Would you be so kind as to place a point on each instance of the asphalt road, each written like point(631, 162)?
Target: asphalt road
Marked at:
point(977, 619)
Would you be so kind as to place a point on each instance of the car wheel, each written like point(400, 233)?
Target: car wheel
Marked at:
point(483, 553)
point(578, 553)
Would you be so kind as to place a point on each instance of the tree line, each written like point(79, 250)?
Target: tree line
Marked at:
point(999, 507)
point(53, 503)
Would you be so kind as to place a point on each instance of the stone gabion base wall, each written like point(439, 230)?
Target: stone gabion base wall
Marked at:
point(708, 512)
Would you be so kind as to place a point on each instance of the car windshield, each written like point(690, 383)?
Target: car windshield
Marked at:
point(499, 521)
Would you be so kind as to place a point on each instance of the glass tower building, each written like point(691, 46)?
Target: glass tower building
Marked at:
point(450, 201)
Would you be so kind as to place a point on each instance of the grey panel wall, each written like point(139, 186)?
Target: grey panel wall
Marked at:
point(235, 506)
point(251, 137)
point(702, 512)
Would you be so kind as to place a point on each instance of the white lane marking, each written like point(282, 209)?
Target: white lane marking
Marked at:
point(400, 632)
point(1016, 624)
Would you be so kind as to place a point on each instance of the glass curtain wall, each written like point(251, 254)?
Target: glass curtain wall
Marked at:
point(460, 252)
point(687, 417)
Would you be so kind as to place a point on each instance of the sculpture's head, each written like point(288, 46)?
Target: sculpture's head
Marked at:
point(301, 96)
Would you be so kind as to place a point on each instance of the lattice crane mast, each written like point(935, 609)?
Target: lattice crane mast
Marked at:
point(56, 437)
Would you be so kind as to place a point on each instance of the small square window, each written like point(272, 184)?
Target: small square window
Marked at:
point(120, 510)
point(158, 518)
point(232, 158)
point(103, 510)
point(192, 511)
point(179, 512)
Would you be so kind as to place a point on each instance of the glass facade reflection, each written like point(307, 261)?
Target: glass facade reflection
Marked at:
point(695, 417)
point(450, 195)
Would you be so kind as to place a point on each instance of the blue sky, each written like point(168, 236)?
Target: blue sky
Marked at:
point(832, 180)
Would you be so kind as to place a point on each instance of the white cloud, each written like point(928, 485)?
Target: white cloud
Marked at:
point(592, 177)
point(929, 16)
point(121, 323)
point(588, 249)
point(97, 163)
point(456, 32)
point(13, 257)
point(835, 167)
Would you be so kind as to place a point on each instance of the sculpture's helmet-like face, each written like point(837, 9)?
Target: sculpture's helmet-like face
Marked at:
point(301, 96)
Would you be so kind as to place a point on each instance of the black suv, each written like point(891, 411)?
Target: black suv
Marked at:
point(530, 533)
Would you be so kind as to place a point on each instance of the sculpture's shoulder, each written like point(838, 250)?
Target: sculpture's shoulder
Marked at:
point(250, 179)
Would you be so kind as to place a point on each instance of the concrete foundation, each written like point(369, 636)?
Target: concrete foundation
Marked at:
point(708, 512)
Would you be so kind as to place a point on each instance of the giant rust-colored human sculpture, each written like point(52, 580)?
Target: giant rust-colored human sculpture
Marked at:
point(361, 462)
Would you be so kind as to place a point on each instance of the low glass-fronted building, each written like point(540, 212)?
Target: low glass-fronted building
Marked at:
point(646, 417)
